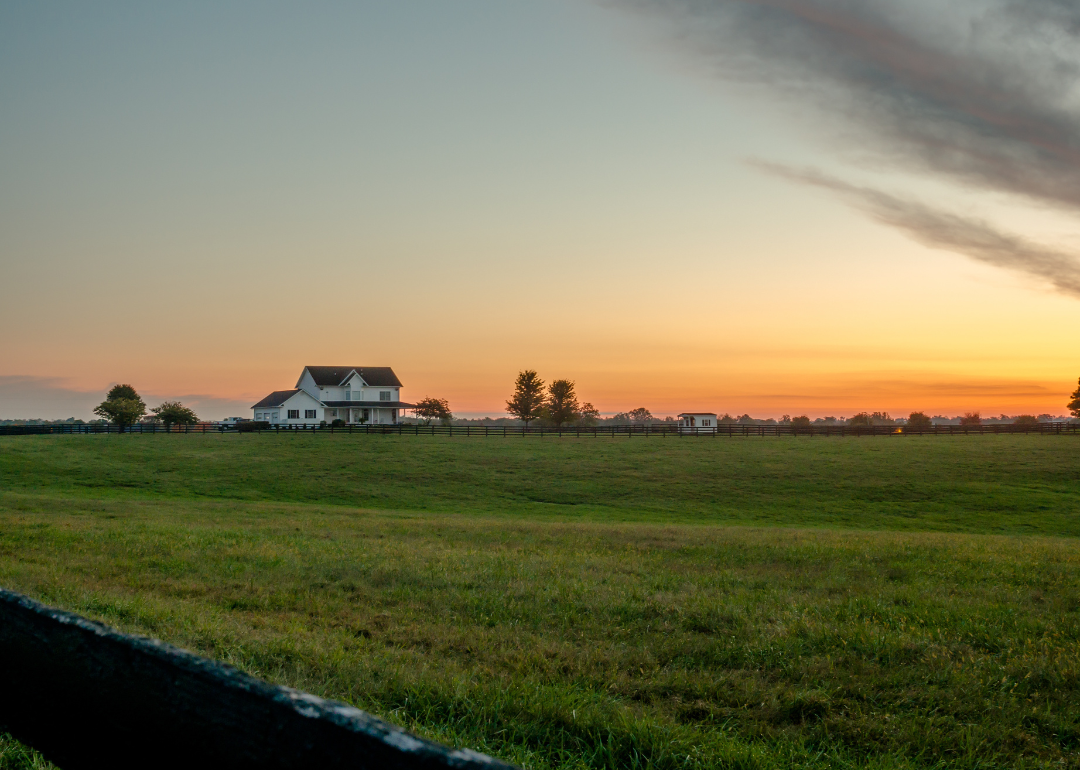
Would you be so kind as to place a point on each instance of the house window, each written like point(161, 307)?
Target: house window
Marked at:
point(294, 414)
point(348, 394)
point(309, 414)
point(384, 395)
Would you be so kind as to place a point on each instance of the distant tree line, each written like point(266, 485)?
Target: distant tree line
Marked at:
point(554, 405)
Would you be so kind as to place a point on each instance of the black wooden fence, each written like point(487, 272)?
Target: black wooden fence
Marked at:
point(730, 430)
point(87, 696)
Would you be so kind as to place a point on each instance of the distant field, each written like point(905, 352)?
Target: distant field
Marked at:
point(590, 603)
point(989, 484)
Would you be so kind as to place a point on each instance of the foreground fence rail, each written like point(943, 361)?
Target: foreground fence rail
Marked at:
point(87, 696)
point(731, 430)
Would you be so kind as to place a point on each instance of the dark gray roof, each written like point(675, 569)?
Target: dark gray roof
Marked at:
point(369, 404)
point(277, 398)
point(377, 376)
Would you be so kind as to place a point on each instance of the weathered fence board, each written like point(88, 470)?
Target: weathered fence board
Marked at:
point(87, 696)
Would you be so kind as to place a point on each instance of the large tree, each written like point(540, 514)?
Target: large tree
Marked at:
point(640, 415)
point(1074, 405)
point(527, 403)
point(116, 392)
point(562, 404)
point(434, 409)
point(122, 406)
point(174, 413)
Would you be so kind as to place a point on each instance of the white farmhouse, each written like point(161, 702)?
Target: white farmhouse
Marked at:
point(356, 394)
point(697, 422)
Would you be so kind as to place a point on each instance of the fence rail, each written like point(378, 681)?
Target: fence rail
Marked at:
point(87, 696)
point(730, 430)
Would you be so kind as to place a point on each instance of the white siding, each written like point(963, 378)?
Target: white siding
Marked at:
point(307, 383)
point(302, 403)
point(697, 423)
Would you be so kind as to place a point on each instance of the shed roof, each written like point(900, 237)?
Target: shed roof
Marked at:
point(697, 414)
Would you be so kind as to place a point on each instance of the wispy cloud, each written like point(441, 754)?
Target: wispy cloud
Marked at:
point(938, 229)
point(984, 93)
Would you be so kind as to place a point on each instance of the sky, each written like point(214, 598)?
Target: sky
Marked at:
point(758, 206)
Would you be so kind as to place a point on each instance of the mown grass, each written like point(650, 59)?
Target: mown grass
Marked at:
point(992, 484)
point(643, 632)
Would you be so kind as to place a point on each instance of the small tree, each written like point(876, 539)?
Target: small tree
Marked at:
point(587, 415)
point(562, 404)
point(918, 421)
point(434, 409)
point(122, 406)
point(971, 418)
point(802, 421)
point(1074, 405)
point(527, 403)
point(861, 419)
point(1026, 420)
point(174, 413)
point(727, 418)
point(640, 415)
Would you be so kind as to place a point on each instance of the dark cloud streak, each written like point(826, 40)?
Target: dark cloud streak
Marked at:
point(984, 93)
point(974, 238)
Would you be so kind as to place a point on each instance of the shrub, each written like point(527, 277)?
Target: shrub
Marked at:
point(919, 421)
point(247, 426)
point(338, 423)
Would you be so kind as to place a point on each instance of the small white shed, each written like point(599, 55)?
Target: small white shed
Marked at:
point(697, 422)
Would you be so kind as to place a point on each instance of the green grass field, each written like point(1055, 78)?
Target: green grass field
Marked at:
point(895, 602)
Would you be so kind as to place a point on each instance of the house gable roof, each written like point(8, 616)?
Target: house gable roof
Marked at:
point(277, 398)
point(332, 376)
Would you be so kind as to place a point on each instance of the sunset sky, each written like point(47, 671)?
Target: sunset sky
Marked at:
point(774, 207)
